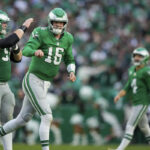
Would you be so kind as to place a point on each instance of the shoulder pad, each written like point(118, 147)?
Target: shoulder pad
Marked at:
point(130, 70)
point(43, 28)
point(36, 32)
point(70, 36)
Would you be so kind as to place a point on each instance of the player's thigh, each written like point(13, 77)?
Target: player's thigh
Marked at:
point(27, 110)
point(143, 121)
point(136, 114)
point(7, 106)
point(4, 89)
point(1, 93)
point(35, 89)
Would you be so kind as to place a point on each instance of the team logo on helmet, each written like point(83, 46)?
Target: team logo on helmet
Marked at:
point(142, 52)
point(57, 15)
point(3, 19)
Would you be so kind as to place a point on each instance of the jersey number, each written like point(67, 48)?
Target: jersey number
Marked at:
point(6, 58)
point(134, 86)
point(57, 57)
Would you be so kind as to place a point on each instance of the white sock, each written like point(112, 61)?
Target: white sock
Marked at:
point(45, 148)
point(44, 131)
point(124, 143)
point(127, 137)
point(146, 131)
point(7, 141)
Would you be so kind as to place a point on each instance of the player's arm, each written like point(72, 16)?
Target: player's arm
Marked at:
point(123, 91)
point(15, 54)
point(16, 36)
point(146, 78)
point(70, 62)
point(119, 95)
point(33, 44)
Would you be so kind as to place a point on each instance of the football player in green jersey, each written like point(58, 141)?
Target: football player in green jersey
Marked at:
point(139, 85)
point(47, 46)
point(7, 101)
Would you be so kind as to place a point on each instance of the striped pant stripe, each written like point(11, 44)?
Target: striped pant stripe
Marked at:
point(128, 136)
point(45, 143)
point(2, 132)
point(31, 95)
point(140, 115)
point(30, 98)
point(34, 98)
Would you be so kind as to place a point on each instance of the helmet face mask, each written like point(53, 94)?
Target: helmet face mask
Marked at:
point(3, 19)
point(57, 15)
point(143, 56)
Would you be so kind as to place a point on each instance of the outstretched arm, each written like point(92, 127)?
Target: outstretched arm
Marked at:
point(16, 36)
point(32, 46)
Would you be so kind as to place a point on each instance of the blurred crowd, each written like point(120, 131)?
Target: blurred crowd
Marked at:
point(105, 34)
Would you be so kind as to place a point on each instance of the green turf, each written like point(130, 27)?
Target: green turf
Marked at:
point(68, 147)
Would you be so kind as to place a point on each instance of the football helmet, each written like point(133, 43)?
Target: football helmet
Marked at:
point(57, 15)
point(142, 52)
point(3, 19)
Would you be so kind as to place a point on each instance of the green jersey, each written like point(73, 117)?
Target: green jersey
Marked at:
point(139, 85)
point(55, 50)
point(5, 65)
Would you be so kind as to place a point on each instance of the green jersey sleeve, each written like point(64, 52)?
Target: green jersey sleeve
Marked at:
point(68, 57)
point(127, 85)
point(147, 78)
point(33, 43)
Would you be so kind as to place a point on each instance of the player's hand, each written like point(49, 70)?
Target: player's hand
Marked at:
point(28, 22)
point(72, 77)
point(39, 53)
point(116, 98)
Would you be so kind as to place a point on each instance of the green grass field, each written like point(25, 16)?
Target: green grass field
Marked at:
point(68, 147)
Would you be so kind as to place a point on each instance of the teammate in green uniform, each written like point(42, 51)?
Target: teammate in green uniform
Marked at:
point(47, 46)
point(7, 101)
point(13, 38)
point(139, 86)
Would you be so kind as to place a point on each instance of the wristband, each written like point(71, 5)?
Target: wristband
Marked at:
point(24, 28)
point(15, 49)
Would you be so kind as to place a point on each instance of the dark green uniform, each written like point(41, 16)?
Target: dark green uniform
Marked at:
point(139, 84)
point(7, 100)
point(5, 65)
point(54, 51)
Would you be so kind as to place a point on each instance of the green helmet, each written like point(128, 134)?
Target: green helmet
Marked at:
point(3, 18)
point(57, 15)
point(144, 53)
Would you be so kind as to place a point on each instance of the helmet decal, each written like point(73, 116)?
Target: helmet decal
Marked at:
point(3, 18)
point(57, 15)
point(142, 52)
